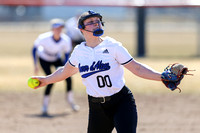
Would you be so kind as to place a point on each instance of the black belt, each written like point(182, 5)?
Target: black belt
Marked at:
point(107, 98)
point(99, 99)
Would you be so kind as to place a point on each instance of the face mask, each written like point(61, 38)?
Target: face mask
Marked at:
point(98, 32)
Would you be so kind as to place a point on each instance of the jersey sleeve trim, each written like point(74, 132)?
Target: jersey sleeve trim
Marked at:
point(71, 64)
point(127, 61)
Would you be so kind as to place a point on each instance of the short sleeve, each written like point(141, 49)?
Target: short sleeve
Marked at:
point(73, 60)
point(122, 55)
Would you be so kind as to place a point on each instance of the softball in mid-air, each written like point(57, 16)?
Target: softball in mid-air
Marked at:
point(33, 82)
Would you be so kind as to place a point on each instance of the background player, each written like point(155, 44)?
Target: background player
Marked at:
point(73, 32)
point(49, 48)
point(100, 62)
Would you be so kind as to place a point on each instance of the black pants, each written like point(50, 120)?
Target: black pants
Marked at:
point(119, 112)
point(46, 66)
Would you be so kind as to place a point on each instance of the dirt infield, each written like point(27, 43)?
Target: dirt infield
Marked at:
point(158, 113)
point(159, 109)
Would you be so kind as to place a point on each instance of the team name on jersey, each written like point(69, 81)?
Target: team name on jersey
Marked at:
point(96, 67)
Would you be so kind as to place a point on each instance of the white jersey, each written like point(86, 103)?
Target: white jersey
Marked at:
point(50, 50)
point(101, 67)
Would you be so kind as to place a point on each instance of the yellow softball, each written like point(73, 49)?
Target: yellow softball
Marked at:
point(33, 82)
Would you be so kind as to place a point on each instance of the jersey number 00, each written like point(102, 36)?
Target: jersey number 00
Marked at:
point(104, 81)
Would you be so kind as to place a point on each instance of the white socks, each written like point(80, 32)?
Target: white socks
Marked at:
point(70, 97)
point(45, 103)
point(70, 100)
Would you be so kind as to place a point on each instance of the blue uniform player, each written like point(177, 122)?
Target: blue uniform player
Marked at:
point(48, 48)
point(73, 32)
point(100, 62)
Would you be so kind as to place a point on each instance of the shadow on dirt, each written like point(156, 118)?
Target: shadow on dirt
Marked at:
point(50, 116)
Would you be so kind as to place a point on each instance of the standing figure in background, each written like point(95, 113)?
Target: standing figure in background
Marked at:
point(73, 32)
point(49, 49)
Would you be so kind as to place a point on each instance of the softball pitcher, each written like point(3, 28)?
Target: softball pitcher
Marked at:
point(49, 47)
point(100, 62)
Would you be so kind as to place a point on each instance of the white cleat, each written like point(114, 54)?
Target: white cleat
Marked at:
point(75, 107)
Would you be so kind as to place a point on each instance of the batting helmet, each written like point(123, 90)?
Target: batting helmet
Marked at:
point(87, 15)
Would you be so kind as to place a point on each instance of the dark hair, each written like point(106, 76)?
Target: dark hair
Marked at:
point(87, 15)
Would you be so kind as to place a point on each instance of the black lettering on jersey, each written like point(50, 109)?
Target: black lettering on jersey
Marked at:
point(104, 81)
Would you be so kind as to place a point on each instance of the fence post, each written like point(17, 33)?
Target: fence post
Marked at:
point(141, 19)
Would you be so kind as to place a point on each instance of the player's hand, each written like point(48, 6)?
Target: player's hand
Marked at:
point(42, 79)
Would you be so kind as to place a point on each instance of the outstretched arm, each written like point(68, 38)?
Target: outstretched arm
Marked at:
point(143, 71)
point(60, 74)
